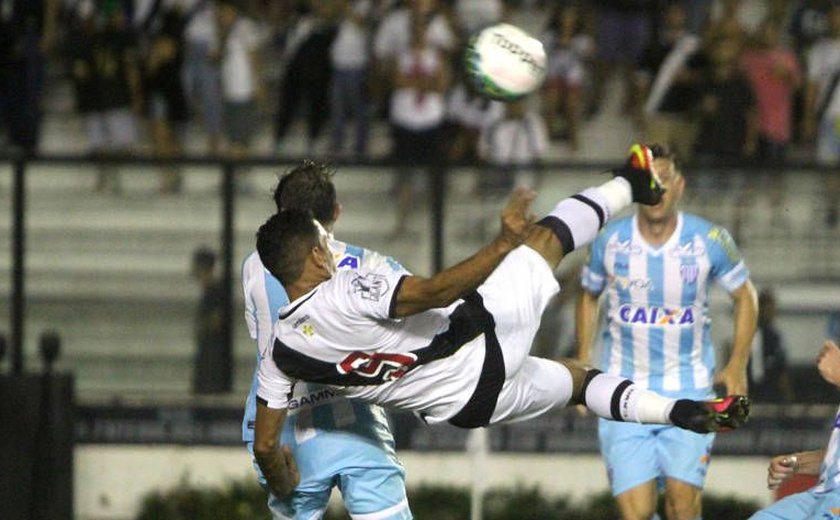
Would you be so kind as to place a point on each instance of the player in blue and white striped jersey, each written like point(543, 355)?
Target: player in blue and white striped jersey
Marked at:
point(822, 500)
point(335, 441)
point(655, 270)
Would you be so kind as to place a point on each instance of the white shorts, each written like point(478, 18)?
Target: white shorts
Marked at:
point(516, 295)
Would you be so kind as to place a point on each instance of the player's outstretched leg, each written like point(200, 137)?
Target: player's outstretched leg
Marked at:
point(575, 221)
point(619, 399)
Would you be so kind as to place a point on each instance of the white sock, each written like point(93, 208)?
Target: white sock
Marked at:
point(619, 399)
point(576, 220)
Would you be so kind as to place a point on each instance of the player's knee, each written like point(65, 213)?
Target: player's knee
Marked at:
point(581, 376)
point(678, 508)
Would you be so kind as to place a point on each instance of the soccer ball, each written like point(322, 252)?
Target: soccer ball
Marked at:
point(504, 62)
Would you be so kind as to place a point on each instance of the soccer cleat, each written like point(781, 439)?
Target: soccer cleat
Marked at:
point(638, 170)
point(716, 415)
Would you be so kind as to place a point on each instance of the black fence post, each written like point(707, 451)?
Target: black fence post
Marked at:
point(18, 234)
point(437, 174)
point(227, 251)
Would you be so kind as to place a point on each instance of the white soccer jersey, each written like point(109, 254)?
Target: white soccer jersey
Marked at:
point(264, 297)
point(657, 330)
point(341, 334)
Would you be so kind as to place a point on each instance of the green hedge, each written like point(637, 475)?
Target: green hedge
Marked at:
point(246, 501)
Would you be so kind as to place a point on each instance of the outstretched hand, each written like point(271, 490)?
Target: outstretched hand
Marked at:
point(515, 217)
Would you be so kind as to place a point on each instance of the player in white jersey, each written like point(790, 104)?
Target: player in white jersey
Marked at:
point(453, 347)
point(655, 269)
point(823, 500)
point(335, 441)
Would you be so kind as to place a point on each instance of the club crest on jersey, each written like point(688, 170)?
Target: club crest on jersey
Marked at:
point(689, 273)
point(370, 286)
point(655, 315)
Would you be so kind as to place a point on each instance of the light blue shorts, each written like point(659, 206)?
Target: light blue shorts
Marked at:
point(801, 506)
point(373, 490)
point(639, 453)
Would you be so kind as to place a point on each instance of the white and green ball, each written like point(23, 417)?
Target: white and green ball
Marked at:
point(504, 62)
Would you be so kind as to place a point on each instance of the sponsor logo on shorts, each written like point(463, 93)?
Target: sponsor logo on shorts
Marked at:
point(312, 399)
point(655, 315)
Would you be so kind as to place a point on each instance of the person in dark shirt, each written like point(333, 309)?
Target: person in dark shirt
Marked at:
point(768, 370)
point(212, 372)
point(27, 33)
point(728, 129)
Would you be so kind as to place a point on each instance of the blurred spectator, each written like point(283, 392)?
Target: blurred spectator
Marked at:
point(773, 71)
point(306, 79)
point(568, 49)
point(768, 367)
point(822, 106)
point(201, 70)
point(623, 30)
point(472, 15)
point(670, 72)
point(27, 33)
point(212, 369)
point(350, 55)
point(466, 114)
point(512, 146)
point(727, 22)
point(166, 105)
point(418, 107)
point(393, 38)
point(808, 24)
point(727, 131)
point(105, 73)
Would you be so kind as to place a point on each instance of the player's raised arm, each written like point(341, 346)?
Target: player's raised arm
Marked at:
point(417, 294)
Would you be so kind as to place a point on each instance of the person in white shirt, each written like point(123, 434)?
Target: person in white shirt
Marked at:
point(350, 55)
point(453, 347)
point(242, 86)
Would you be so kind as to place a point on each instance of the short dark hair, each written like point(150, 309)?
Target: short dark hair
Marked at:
point(204, 257)
point(660, 151)
point(284, 241)
point(308, 187)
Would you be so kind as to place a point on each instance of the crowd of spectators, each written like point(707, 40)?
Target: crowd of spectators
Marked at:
point(721, 81)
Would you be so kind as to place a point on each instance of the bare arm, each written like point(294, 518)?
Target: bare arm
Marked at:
point(734, 374)
point(586, 322)
point(276, 462)
point(417, 294)
point(782, 467)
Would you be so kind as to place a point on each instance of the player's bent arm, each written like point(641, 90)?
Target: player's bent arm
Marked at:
point(586, 321)
point(746, 318)
point(417, 294)
point(276, 462)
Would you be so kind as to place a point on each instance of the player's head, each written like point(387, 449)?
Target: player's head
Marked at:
point(292, 244)
point(667, 168)
point(308, 187)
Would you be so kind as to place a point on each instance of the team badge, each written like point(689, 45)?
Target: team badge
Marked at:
point(689, 273)
point(370, 286)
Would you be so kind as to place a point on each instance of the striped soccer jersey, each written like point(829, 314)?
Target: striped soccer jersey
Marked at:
point(657, 329)
point(312, 408)
point(830, 470)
